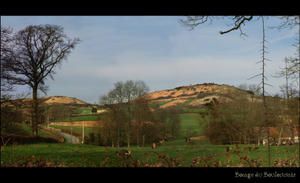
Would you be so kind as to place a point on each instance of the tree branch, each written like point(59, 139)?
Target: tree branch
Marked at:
point(238, 23)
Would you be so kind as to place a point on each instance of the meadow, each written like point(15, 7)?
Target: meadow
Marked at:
point(92, 117)
point(171, 154)
point(191, 124)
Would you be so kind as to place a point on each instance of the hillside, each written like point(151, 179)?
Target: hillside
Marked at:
point(197, 95)
point(52, 100)
point(63, 100)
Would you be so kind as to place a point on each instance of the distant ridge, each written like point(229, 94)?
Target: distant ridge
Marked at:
point(197, 95)
point(63, 100)
point(51, 100)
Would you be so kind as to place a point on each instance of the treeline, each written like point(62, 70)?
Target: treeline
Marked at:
point(10, 116)
point(241, 121)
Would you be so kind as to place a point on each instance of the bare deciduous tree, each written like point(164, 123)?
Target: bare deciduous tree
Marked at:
point(263, 84)
point(120, 102)
point(38, 49)
point(132, 91)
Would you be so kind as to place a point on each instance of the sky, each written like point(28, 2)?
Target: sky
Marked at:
point(160, 51)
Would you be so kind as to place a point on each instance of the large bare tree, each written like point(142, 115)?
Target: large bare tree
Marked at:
point(38, 49)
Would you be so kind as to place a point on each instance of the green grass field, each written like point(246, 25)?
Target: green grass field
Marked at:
point(84, 110)
point(25, 130)
point(80, 118)
point(195, 110)
point(96, 156)
point(191, 124)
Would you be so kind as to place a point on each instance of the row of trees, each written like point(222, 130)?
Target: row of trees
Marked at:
point(130, 120)
point(241, 121)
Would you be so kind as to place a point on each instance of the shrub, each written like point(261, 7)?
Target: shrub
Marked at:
point(33, 161)
point(94, 110)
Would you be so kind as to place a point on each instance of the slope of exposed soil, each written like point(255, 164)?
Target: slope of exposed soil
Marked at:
point(62, 100)
point(197, 95)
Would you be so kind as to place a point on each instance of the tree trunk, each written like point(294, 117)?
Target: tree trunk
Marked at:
point(137, 138)
point(129, 126)
point(279, 138)
point(35, 111)
point(143, 141)
point(128, 140)
point(118, 137)
point(269, 147)
point(292, 134)
point(82, 133)
point(260, 136)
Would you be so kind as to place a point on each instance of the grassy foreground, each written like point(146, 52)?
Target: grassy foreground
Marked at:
point(171, 154)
